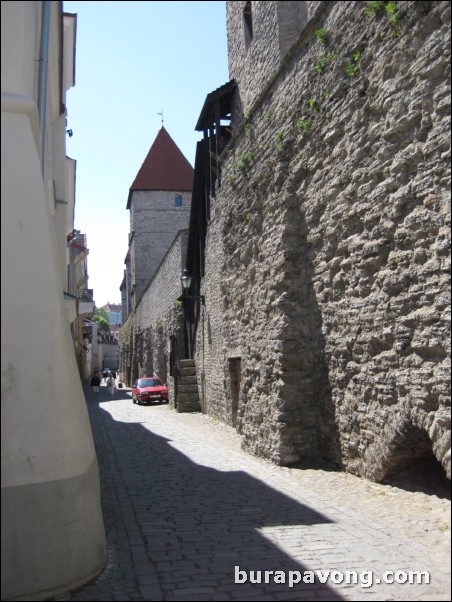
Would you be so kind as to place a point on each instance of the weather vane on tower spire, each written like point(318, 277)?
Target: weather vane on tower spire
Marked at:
point(161, 115)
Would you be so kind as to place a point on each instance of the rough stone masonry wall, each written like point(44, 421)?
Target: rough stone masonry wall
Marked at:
point(328, 253)
point(144, 348)
point(155, 221)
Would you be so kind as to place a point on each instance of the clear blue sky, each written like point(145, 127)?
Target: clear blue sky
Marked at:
point(134, 59)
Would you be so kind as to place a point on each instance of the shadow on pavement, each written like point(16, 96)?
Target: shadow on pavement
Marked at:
point(196, 523)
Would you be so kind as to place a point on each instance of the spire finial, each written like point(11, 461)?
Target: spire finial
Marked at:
point(161, 115)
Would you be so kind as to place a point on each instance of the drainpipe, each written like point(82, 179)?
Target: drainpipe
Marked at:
point(43, 68)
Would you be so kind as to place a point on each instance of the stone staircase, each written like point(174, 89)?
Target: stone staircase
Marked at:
point(187, 394)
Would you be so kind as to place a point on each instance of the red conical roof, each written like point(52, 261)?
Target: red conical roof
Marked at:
point(165, 168)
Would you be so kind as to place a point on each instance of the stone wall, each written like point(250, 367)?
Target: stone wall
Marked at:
point(144, 341)
point(328, 255)
point(155, 220)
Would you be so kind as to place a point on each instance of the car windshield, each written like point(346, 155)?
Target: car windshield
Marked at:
point(149, 382)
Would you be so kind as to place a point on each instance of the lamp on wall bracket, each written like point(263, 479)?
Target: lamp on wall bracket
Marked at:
point(186, 281)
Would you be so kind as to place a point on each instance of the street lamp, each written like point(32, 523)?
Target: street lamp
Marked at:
point(186, 281)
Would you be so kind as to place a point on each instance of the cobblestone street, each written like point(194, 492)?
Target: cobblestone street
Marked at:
point(184, 505)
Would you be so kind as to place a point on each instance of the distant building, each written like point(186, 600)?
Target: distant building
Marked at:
point(124, 297)
point(159, 202)
point(78, 289)
point(108, 349)
point(114, 312)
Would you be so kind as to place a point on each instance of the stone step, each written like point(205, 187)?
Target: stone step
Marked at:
point(187, 363)
point(187, 372)
point(187, 388)
point(188, 407)
point(187, 398)
point(188, 394)
point(188, 380)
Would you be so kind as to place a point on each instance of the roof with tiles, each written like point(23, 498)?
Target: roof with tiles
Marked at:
point(112, 307)
point(165, 168)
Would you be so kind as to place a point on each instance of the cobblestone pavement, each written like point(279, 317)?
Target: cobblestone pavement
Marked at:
point(184, 505)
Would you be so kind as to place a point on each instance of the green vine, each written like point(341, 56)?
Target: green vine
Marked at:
point(373, 8)
point(392, 12)
point(313, 104)
point(125, 330)
point(321, 64)
point(322, 36)
point(394, 18)
point(352, 68)
point(244, 161)
point(304, 124)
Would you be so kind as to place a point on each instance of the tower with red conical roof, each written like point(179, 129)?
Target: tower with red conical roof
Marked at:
point(159, 202)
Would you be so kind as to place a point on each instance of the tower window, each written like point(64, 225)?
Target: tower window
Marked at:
point(178, 200)
point(248, 20)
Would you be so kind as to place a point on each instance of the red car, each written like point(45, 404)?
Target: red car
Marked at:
point(149, 389)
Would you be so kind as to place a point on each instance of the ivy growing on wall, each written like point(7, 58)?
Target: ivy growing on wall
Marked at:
point(125, 330)
point(390, 9)
point(350, 65)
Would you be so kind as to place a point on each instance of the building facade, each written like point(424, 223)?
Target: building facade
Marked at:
point(152, 339)
point(52, 528)
point(84, 302)
point(159, 203)
point(325, 263)
point(108, 350)
point(114, 311)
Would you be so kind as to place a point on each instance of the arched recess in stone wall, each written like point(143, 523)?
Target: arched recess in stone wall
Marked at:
point(409, 440)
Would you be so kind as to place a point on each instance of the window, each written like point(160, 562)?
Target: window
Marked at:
point(248, 20)
point(178, 200)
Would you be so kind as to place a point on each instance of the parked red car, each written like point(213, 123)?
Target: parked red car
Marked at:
point(149, 389)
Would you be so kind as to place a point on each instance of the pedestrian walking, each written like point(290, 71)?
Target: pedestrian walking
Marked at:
point(95, 384)
point(111, 384)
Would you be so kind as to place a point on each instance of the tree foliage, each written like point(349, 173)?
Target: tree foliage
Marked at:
point(100, 316)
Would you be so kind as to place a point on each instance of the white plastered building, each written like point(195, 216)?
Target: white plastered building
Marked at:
point(52, 529)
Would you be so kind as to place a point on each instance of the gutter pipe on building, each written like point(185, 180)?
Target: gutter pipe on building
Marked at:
point(43, 69)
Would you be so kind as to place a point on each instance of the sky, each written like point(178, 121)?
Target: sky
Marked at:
point(133, 61)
